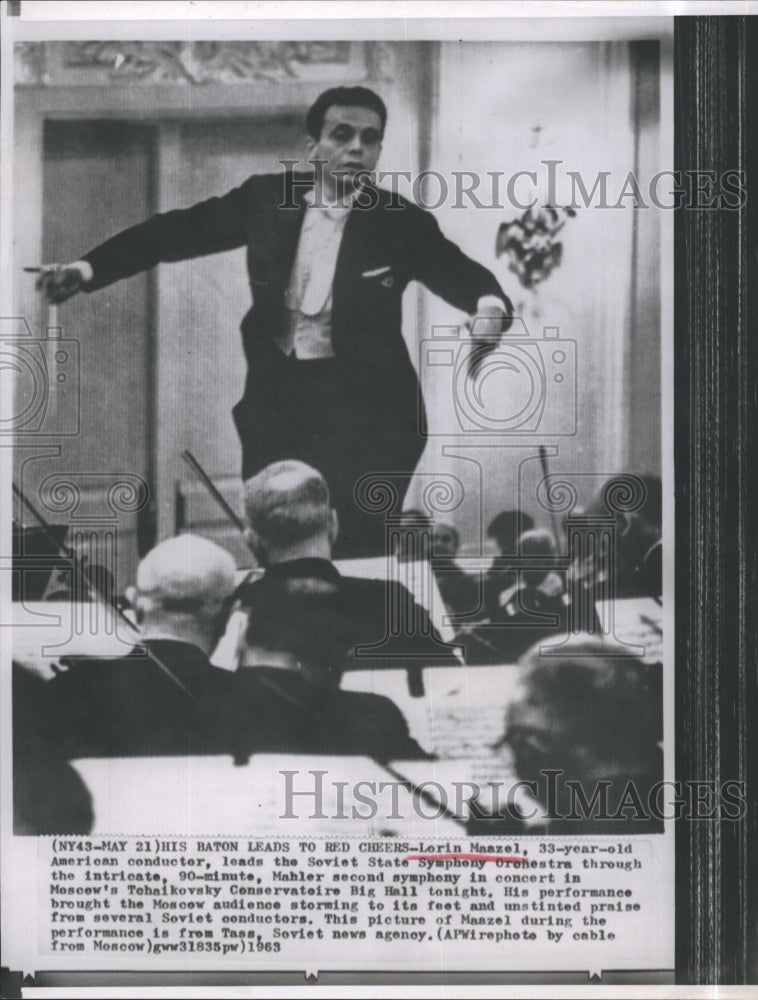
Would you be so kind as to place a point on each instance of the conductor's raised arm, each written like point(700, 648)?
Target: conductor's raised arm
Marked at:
point(212, 226)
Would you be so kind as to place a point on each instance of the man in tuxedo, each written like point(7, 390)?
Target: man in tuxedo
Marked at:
point(164, 697)
point(459, 590)
point(503, 533)
point(303, 624)
point(302, 600)
point(329, 255)
point(287, 688)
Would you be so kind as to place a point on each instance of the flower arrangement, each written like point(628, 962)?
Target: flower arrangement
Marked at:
point(530, 243)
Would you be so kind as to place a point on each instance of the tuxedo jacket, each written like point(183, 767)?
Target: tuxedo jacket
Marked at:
point(386, 244)
point(308, 608)
point(130, 706)
point(282, 712)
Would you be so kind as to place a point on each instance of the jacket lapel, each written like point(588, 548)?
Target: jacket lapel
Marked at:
point(285, 233)
point(357, 242)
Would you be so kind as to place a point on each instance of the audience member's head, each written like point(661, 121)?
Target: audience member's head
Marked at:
point(588, 713)
point(445, 541)
point(289, 513)
point(539, 543)
point(412, 536)
point(505, 529)
point(182, 588)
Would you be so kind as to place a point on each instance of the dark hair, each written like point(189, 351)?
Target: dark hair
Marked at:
point(650, 508)
point(444, 526)
point(349, 97)
point(303, 617)
point(506, 526)
point(612, 703)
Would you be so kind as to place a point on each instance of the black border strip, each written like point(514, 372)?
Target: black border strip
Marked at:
point(716, 89)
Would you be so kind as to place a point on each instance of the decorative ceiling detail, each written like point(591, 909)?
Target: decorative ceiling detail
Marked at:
point(205, 62)
point(30, 63)
point(82, 63)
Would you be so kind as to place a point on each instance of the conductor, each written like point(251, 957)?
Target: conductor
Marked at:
point(329, 254)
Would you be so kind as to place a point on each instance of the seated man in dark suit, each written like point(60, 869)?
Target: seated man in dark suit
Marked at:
point(417, 539)
point(587, 725)
point(292, 527)
point(164, 697)
point(503, 532)
point(459, 590)
point(532, 609)
point(287, 686)
point(638, 554)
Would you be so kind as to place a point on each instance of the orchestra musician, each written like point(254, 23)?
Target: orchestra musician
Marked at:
point(163, 697)
point(292, 527)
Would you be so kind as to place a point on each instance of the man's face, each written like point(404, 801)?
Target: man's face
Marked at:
point(350, 143)
point(534, 739)
point(445, 541)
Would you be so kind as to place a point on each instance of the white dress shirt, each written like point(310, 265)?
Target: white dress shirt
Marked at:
point(309, 295)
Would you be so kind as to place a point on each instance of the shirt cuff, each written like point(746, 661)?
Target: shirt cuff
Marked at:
point(85, 269)
point(490, 301)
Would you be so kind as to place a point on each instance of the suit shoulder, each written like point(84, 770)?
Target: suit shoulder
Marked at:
point(401, 207)
point(277, 188)
point(372, 585)
point(95, 664)
point(362, 585)
point(261, 187)
point(375, 706)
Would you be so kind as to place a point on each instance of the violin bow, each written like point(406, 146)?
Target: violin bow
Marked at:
point(206, 480)
point(106, 599)
point(557, 532)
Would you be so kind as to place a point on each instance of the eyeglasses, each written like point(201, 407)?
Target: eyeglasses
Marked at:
point(344, 133)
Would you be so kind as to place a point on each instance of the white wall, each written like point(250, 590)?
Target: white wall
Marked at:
point(509, 107)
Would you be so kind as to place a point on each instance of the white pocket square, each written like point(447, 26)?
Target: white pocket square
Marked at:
point(376, 272)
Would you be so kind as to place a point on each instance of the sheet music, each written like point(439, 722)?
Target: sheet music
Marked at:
point(210, 796)
point(461, 716)
point(637, 621)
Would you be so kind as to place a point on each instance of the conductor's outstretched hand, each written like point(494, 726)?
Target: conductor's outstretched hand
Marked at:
point(60, 284)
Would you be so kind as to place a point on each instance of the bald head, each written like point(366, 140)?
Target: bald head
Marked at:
point(186, 570)
point(289, 512)
point(181, 587)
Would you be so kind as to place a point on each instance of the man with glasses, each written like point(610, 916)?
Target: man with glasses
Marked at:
point(330, 381)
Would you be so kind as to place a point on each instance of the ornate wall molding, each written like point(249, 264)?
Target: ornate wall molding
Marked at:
point(30, 63)
point(200, 62)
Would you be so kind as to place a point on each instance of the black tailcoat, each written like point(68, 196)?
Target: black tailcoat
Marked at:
point(363, 414)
